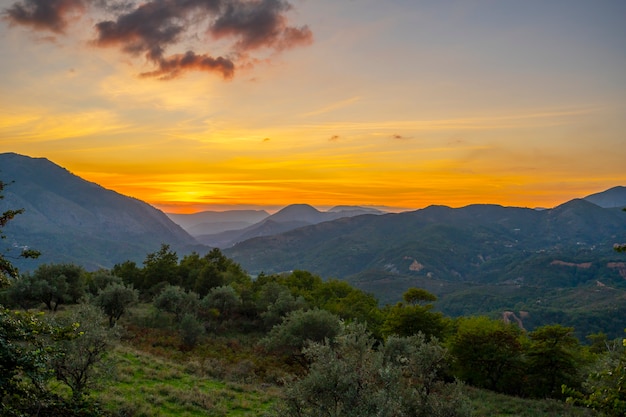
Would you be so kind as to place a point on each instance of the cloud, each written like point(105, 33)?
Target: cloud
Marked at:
point(259, 24)
point(152, 27)
point(334, 138)
point(50, 15)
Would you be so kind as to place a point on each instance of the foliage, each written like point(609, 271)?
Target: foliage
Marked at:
point(350, 377)
point(81, 358)
point(24, 355)
point(275, 301)
point(7, 270)
point(224, 299)
point(115, 299)
point(416, 295)
point(605, 386)
point(407, 320)
point(552, 359)
point(191, 329)
point(160, 266)
point(488, 354)
point(173, 299)
point(99, 280)
point(55, 284)
point(301, 327)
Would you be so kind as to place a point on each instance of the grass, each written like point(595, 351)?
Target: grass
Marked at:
point(490, 404)
point(147, 385)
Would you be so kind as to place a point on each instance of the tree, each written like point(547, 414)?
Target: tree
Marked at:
point(56, 284)
point(604, 389)
point(161, 266)
point(99, 280)
point(553, 359)
point(173, 299)
point(275, 301)
point(488, 354)
point(191, 330)
point(301, 327)
point(82, 358)
point(416, 295)
point(408, 320)
point(115, 299)
point(224, 299)
point(7, 270)
point(351, 377)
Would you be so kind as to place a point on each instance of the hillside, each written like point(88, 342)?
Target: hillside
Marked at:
point(289, 218)
point(212, 222)
point(479, 259)
point(72, 220)
point(465, 244)
point(611, 198)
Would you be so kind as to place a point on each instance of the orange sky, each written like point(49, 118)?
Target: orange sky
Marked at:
point(397, 104)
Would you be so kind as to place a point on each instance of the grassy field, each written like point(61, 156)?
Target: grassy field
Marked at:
point(145, 385)
point(490, 404)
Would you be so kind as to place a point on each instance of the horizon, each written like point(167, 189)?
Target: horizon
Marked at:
point(397, 104)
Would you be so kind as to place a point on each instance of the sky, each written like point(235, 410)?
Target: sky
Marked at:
point(195, 105)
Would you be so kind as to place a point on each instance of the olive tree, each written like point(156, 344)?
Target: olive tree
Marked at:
point(115, 299)
point(355, 376)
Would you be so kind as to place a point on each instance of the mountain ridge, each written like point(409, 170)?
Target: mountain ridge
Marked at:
point(68, 218)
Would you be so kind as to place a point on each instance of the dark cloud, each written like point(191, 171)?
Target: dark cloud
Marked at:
point(149, 28)
point(51, 15)
point(175, 65)
point(259, 24)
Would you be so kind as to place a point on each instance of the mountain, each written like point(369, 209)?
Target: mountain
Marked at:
point(72, 220)
point(473, 244)
point(547, 266)
point(289, 218)
point(212, 222)
point(611, 198)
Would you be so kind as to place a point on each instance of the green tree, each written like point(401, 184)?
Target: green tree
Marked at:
point(7, 269)
point(81, 360)
point(130, 273)
point(488, 354)
point(190, 330)
point(99, 280)
point(161, 266)
point(114, 300)
point(174, 299)
point(350, 377)
point(56, 284)
point(417, 295)
point(408, 320)
point(224, 299)
point(301, 327)
point(553, 359)
point(275, 301)
point(604, 388)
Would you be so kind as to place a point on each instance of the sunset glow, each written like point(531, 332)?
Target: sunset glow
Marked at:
point(396, 104)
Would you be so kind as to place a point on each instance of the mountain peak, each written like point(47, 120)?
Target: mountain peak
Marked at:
point(611, 198)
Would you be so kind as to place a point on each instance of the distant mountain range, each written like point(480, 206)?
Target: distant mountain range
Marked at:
point(204, 227)
point(72, 220)
point(555, 264)
point(465, 244)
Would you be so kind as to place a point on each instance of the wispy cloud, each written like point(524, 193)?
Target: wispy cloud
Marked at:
point(151, 28)
point(333, 106)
